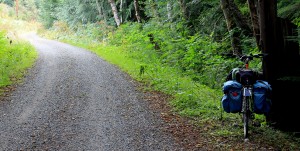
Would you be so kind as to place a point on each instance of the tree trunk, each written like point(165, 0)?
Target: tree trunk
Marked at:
point(17, 8)
point(281, 67)
point(121, 11)
point(267, 22)
point(239, 19)
point(115, 12)
point(255, 21)
point(169, 9)
point(137, 11)
point(231, 26)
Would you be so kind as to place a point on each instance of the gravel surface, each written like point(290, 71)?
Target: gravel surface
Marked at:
point(73, 100)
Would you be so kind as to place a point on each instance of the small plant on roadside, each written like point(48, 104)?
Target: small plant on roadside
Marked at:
point(15, 58)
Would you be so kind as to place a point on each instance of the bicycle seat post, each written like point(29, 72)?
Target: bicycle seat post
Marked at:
point(247, 63)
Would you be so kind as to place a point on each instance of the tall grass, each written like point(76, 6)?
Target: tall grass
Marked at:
point(15, 58)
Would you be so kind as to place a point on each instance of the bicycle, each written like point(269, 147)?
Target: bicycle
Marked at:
point(247, 78)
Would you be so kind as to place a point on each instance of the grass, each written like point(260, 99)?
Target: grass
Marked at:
point(15, 59)
point(197, 102)
point(16, 55)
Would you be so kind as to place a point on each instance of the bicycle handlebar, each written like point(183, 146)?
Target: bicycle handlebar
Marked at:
point(246, 58)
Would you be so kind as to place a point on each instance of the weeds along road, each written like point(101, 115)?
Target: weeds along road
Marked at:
point(72, 100)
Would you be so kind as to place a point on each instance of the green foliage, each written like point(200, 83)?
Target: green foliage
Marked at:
point(8, 2)
point(243, 6)
point(82, 34)
point(290, 10)
point(27, 10)
point(183, 65)
point(47, 11)
point(178, 57)
point(76, 11)
point(187, 66)
point(15, 58)
point(175, 50)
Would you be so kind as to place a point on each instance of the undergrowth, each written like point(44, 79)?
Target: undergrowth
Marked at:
point(16, 55)
point(190, 69)
point(164, 57)
point(15, 58)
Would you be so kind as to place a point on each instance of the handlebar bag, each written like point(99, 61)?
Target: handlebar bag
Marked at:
point(261, 95)
point(232, 98)
point(246, 76)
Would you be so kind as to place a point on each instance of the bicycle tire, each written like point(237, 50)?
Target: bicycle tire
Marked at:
point(246, 116)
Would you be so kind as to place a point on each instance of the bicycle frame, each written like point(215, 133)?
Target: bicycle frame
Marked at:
point(247, 92)
point(247, 80)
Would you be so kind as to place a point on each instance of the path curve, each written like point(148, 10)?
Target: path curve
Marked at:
point(73, 100)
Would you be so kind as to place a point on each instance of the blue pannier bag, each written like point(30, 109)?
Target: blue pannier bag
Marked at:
point(232, 99)
point(261, 95)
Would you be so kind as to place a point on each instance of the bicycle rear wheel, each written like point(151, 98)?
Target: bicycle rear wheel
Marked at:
point(246, 116)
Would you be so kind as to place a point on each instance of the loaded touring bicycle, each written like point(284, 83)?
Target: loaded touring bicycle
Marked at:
point(246, 93)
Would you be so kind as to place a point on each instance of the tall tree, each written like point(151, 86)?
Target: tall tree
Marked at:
point(169, 10)
point(281, 66)
point(253, 4)
point(236, 23)
point(17, 8)
point(137, 11)
point(115, 12)
point(122, 3)
point(226, 6)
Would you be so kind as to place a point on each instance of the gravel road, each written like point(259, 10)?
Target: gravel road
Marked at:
point(72, 100)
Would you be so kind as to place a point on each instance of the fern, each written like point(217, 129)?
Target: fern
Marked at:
point(290, 11)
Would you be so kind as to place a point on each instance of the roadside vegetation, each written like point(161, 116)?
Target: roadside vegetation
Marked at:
point(192, 75)
point(181, 57)
point(16, 55)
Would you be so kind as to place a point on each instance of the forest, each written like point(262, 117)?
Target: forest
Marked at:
point(177, 47)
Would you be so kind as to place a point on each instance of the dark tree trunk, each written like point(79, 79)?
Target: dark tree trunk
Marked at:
point(137, 11)
point(281, 67)
point(231, 27)
point(255, 21)
point(268, 37)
